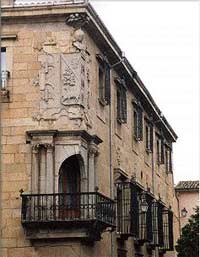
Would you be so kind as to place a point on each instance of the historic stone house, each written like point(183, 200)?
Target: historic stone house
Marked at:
point(86, 156)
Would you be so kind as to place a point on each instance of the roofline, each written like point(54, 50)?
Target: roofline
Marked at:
point(136, 77)
point(187, 189)
point(116, 52)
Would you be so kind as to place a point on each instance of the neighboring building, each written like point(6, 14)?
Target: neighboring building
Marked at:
point(82, 140)
point(188, 197)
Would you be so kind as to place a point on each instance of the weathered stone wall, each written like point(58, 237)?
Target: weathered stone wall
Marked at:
point(32, 107)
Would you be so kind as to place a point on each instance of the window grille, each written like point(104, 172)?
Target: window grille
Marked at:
point(123, 208)
point(138, 121)
point(104, 80)
point(149, 219)
point(127, 209)
point(171, 238)
point(155, 233)
point(165, 228)
point(160, 225)
point(121, 253)
point(121, 101)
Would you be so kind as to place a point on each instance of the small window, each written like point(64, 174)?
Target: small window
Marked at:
point(104, 80)
point(3, 59)
point(160, 151)
point(121, 101)
point(168, 159)
point(4, 72)
point(138, 122)
point(149, 137)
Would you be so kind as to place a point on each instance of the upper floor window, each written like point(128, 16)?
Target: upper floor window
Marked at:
point(121, 101)
point(149, 136)
point(104, 80)
point(160, 150)
point(4, 73)
point(168, 158)
point(138, 121)
point(3, 59)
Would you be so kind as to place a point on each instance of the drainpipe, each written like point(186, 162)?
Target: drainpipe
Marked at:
point(153, 170)
point(153, 186)
point(179, 216)
point(110, 163)
point(110, 145)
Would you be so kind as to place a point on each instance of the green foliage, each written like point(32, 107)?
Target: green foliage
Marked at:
point(188, 243)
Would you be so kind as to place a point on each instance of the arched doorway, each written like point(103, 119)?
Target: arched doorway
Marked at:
point(70, 187)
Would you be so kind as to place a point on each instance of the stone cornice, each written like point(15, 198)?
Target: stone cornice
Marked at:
point(67, 133)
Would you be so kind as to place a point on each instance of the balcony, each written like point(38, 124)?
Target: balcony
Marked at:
point(63, 215)
point(141, 216)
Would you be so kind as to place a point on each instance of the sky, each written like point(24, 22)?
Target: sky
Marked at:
point(161, 41)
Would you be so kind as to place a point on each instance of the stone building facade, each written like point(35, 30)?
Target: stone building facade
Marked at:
point(188, 198)
point(86, 156)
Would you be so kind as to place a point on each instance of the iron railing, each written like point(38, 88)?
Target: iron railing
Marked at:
point(66, 207)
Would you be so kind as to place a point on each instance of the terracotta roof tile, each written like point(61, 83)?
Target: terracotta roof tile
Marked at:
point(187, 186)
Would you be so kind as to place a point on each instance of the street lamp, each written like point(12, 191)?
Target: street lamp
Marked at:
point(184, 213)
point(143, 205)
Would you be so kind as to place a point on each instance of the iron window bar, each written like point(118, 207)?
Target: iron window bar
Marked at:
point(166, 240)
point(154, 226)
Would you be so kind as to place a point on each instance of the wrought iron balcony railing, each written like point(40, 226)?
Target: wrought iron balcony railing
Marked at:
point(63, 209)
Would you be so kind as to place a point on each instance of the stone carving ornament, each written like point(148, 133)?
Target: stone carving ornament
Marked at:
point(64, 85)
point(63, 79)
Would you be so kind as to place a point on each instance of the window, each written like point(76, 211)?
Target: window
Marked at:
point(168, 158)
point(149, 136)
point(121, 101)
point(4, 72)
point(3, 58)
point(104, 80)
point(138, 121)
point(167, 216)
point(160, 150)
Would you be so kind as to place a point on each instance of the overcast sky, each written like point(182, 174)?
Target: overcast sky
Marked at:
point(161, 41)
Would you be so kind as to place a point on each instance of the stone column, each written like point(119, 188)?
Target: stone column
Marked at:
point(93, 151)
point(35, 169)
point(49, 169)
point(50, 199)
point(42, 178)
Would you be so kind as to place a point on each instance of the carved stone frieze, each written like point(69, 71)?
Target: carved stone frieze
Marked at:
point(64, 88)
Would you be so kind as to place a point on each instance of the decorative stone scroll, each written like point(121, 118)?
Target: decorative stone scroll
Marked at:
point(77, 20)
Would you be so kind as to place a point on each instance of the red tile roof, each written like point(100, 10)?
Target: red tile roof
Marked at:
point(187, 186)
